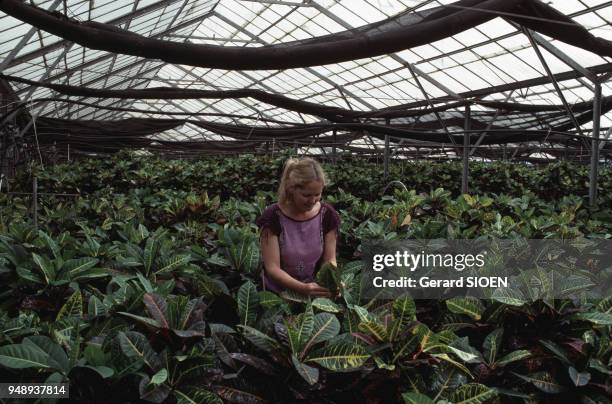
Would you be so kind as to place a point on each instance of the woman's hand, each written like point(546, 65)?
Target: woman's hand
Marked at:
point(314, 289)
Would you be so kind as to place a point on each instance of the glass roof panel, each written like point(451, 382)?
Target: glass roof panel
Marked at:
point(488, 55)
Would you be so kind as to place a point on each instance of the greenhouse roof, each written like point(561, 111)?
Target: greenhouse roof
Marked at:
point(497, 60)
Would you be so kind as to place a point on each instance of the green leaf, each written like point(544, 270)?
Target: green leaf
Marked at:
point(404, 311)
point(470, 306)
point(136, 346)
point(145, 320)
point(19, 356)
point(170, 264)
point(447, 358)
point(513, 357)
point(233, 395)
point(308, 373)
point(261, 365)
point(491, 345)
point(374, 329)
point(325, 304)
point(513, 393)
point(605, 305)
point(579, 378)
point(326, 327)
point(223, 353)
point(251, 259)
point(95, 356)
point(197, 396)
point(294, 296)
point(29, 275)
point(416, 398)
point(95, 307)
point(509, 296)
point(259, 339)
point(404, 347)
point(557, 350)
point(77, 268)
point(543, 381)
point(462, 348)
point(593, 398)
point(595, 318)
point(427, 339)
point(571, 284)
point(45, 266)
point(72, 308)
point(104, 371)
point(599, 366)
point(243, 252)
point(157, 308)
point(269, 299)
point(473, 393)
point(159, 377)
point(57, 356)
point(341, 357)
point(150, 253)
point(248, 302)
point(187, 312)
point(328, 277)
point(361, 312)
point(301, 331)
point(51, 244)
point(381, 364)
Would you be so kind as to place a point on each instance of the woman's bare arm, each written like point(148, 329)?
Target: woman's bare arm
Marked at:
point(329, 249)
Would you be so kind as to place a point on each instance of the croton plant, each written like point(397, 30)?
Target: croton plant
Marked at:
point(145, 286)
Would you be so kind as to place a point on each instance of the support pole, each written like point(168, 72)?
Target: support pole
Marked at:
point(595, 146)
point(334, 152)
point(386, 161)
point(466, 151)
point(35, 202)
point(551, 76)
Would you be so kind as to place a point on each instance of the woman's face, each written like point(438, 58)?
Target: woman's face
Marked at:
point(306, 197)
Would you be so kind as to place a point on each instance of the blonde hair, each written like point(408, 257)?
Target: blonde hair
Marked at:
point(297, 173)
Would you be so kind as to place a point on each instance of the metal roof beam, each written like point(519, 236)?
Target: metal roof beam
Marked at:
point(126, 27)
point(45, 74)
point(308, 69)
point(562, 56)
point(606, 67)
point(142, 62)
point(199, 118)
point(131, 79)
point(110, 55)
point(116, 21)
point(398, 59)
point(24, 40)
point(511, 34)
point(282, 3)
point(189, 72)
point(438, 117)
point(489, 125)
point(552, 79)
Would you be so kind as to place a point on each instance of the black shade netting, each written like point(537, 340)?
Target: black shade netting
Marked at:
point(397, 33)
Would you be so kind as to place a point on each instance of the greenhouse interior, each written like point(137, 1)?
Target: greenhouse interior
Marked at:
point(162, 161)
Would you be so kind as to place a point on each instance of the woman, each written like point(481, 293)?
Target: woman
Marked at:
point(299, 232)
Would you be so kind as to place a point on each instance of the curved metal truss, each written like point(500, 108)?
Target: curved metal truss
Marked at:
point(498, 61)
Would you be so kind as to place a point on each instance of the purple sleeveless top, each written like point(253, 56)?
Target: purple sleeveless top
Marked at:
point(300, 241)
